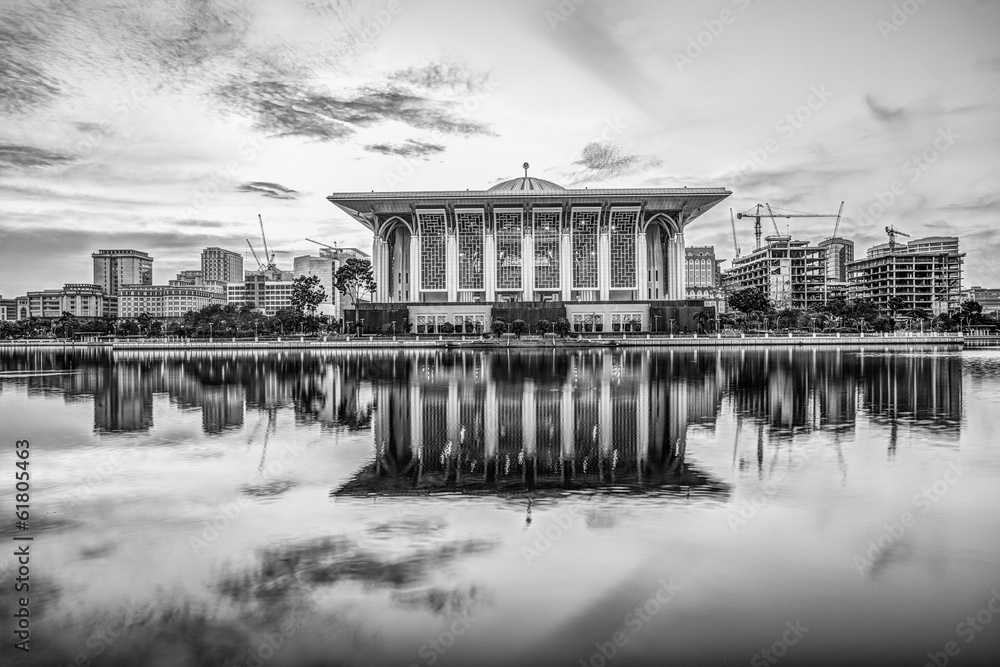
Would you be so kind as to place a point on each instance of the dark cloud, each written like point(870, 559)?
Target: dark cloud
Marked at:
point(409, 148)
point(882, 112)
point(288, 109)
point(445, 75)
point(27, 157)
point(272, 190)
point(607, 160)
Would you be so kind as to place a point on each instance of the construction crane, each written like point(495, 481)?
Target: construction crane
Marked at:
point(836, 225)
point(757, 213)
point(893, 233)
point(268, 255)
point(736, 243)
point(325, 245)
point(260, 264)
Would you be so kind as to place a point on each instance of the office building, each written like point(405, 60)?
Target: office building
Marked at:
point(165, 301)
point(792, 274)
point(114, 268)
point(220, 265)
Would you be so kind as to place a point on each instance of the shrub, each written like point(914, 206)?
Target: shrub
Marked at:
point(562, 327)
point(519, 327)
point(447, 328)
point(498, 327)
point(543, 326)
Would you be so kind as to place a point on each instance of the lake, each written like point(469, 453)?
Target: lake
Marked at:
point(437, 507)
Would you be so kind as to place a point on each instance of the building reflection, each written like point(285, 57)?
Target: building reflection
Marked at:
point(578, 417)
point(530, 421)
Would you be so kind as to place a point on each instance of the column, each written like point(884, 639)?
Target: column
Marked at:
point(528, 267)
point(490, 267)
point(604, 268)
point(566, 266)
point(451, 266)
point(641, 267)
point(377, 267)
point(681, 268)
point(414, 295)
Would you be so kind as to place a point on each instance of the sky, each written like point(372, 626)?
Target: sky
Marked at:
point(168, 125)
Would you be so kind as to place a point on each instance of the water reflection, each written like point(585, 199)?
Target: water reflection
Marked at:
point(523, 420)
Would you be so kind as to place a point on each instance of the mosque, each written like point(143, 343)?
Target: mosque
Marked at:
point(609, 259)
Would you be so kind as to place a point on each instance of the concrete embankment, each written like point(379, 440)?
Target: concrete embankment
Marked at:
point(476, 342)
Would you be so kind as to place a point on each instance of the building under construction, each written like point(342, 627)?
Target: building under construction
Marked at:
point(924, 273)
point(792, 274)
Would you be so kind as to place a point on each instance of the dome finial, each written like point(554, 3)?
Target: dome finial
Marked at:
point(525, 165)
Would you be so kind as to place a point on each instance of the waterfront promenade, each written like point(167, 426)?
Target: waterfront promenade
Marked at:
point(474, 342)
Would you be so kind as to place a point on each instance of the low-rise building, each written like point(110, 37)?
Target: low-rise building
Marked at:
point(165, 301)
point(325, 267)
point(83, 300)
point(988, 298)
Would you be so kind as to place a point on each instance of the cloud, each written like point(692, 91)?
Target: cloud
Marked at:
point(446, 75)
point(289, 109)
point(23, 85)
point(272, 190)
point(882, 112)
point(607, 160)
point(409, 148)
point(27, 157)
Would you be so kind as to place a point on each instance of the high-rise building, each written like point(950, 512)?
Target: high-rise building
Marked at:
point(839, 253)
point(924, 273)
point(792, 274)
point(221, 265)
point(114, 268)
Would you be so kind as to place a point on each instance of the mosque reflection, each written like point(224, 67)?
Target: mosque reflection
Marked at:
point(480, 421)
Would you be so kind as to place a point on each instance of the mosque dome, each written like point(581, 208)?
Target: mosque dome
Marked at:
point(527, 184)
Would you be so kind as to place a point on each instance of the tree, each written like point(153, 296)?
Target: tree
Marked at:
point(543, 326)
point(67, 324)
point(750, 300)
point(354, 279)
point(562, 327)
point(895, 304)
point(145, 322)
point(447, 328)
point(970, 312)
point(519, 327)
point(702, 317)
point(498, 327)
point(307, 294)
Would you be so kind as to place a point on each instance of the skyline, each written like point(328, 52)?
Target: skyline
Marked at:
point(167, 127)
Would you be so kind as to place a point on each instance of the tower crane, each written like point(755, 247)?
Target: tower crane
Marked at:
point(325, 245)
point(268, 255)
point(260, 264)
point(736, 243)
point(758, 212)
point(836, 225)
point(893, 233)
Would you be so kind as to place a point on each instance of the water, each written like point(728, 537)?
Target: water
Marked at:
point(460, 508)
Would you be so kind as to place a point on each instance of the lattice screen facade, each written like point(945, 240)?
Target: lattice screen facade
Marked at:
point(433, 251)
point(470, 226)
point(584, 241)
point(546, 232)
point(623, 230)
point(509, 233)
